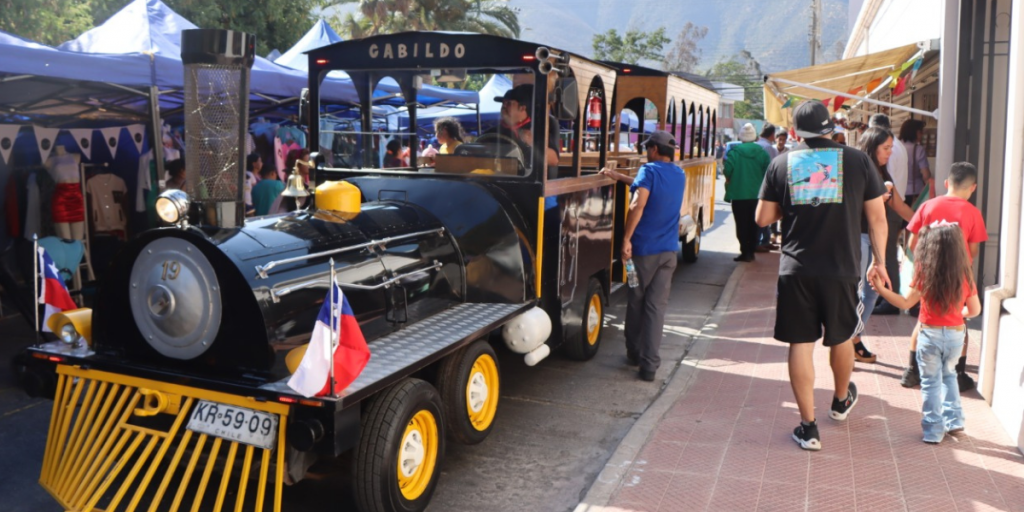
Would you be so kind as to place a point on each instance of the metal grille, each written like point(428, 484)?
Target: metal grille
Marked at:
point(100, 455)
point(216, 108)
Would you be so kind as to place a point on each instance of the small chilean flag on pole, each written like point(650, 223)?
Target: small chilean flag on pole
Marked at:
point(346, 351)
point(52, 291)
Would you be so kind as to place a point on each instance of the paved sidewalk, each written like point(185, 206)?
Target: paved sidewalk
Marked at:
point(724, 444)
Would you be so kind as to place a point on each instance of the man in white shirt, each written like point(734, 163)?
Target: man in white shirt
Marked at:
point(899, 161)
point(767, 140)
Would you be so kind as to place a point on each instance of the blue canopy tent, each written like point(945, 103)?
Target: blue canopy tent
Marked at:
point(489, 110)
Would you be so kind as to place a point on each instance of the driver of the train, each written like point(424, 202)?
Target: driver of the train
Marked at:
point(517, 124)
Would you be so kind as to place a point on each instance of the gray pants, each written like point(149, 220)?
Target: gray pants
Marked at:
point(645, 312)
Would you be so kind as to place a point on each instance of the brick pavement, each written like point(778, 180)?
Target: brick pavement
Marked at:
point(725, 444)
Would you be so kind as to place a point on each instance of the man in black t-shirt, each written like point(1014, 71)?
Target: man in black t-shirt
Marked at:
point(821, 190)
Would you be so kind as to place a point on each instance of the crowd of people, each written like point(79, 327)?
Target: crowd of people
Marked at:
point(842, 213)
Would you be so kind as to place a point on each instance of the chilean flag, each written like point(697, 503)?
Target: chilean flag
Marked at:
point(348, 356)
point(52, 291)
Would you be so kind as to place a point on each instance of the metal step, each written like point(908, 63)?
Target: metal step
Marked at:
point(403, 352)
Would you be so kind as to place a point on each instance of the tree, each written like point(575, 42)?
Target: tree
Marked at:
point(633, 47)
point(746, 74)
point(276, 23)
point(685, 53)
point(49, 22)
point(374, 17)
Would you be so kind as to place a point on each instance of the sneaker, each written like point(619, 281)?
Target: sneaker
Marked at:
point(807, 437)
point(955, 431)
point(841, 408)
point(911, 377)
point(964, 382)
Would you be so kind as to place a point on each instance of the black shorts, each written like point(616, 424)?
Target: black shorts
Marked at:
point(806, 304)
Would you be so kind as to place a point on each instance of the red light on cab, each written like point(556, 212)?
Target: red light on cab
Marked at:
point(529, 57)
point(287, 400)
point(626, 70)
point(321, 61)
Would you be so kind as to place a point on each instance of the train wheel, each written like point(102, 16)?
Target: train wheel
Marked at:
point(469, 381)
point(584, 345)
point(401, 446)
point(691, 249)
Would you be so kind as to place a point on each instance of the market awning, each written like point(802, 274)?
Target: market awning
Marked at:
point(846, 81)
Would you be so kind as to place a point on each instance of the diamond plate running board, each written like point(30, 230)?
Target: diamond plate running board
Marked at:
point(401, 353)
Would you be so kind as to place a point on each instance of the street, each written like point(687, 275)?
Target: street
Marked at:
point(557, 426)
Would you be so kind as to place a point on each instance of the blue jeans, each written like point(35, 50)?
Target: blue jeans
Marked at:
point(764, 236)
point(868, 295)
point(937, 352)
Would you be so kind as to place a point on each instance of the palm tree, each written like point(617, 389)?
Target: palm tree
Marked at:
point(388, 16)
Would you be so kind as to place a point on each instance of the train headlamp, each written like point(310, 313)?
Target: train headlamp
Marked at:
point(172, 206)
point(72, 326)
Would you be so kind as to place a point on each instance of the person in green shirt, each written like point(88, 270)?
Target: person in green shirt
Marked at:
point(745, 165)
point(266, 191)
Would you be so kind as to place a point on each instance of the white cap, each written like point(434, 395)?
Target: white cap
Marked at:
point(748, 133)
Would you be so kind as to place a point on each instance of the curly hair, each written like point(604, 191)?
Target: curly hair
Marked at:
point(942, 268)
point(450, 126)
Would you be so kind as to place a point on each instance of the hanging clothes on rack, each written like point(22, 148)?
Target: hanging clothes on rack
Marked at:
point(106, 193)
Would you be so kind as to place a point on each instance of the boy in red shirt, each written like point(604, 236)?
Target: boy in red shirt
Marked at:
point(952, 208)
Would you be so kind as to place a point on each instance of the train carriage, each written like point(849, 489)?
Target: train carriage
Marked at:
point(689, 112)
point(174, 391)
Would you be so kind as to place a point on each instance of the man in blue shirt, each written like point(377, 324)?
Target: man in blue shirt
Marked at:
point(651, 240)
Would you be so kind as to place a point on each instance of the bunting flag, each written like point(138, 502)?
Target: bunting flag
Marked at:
point(901, 86)
point(826, 101)
point(838, 103)
point(45, 138)
point(917, 66)
point(138, 132)
point(788, 103)
point(83, 137)
point(872, 85)
point(8, 132)
point(111, 136)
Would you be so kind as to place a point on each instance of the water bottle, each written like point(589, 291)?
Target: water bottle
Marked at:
point(631, 278)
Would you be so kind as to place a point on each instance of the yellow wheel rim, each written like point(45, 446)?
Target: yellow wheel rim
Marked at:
point(417, 456)
point(482, 392)
point(594, 319)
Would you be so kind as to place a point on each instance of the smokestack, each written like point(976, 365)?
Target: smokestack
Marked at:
point(217, 64)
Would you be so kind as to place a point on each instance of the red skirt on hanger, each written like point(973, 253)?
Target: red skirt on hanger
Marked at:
point(68, 205)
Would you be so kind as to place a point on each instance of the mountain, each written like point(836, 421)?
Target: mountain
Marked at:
point(774, 32)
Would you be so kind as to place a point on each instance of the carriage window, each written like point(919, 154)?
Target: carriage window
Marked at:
point(447, 137)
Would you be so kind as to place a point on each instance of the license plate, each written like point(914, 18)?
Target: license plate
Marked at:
point(234, 423)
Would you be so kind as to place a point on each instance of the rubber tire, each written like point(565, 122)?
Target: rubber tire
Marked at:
point(576, 347)
point(691, 249)
point(452, 379)
point(375, 465)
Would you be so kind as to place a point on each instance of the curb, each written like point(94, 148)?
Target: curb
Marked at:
point(608, 481)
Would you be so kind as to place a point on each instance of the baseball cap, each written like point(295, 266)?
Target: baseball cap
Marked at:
point(522, 94)
point(662, 138)
point(811, 119)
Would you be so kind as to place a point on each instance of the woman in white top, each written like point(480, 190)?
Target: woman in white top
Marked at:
point(918, 174)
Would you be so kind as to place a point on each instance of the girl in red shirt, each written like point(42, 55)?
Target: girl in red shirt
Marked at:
point(944, 284)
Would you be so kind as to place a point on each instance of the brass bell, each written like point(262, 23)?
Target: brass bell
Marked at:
point(296, 185)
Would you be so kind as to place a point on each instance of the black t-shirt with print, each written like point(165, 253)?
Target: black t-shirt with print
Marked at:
point(821, 187)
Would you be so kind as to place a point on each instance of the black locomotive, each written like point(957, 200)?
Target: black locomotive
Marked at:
point(197, 326)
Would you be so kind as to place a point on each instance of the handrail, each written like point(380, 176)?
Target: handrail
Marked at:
point(281, 292)
point(262, 270)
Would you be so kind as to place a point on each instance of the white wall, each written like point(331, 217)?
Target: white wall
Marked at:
point(1008, 392)
point(898, 23)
